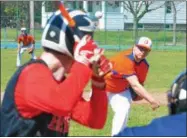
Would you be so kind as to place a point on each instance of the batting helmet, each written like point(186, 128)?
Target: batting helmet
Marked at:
point(177, 94)
point(58, 36)
point(83, 22)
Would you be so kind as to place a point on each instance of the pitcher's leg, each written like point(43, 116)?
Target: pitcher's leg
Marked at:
point(120, 104)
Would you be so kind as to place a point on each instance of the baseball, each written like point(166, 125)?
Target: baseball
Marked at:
point(98, 14)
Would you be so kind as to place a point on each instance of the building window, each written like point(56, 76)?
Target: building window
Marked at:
point(117, 3)
point(50, 6)
point(74, 4)
point(167, 26)
point(80, 5)
point(168, 7)
point(90, 8)
point(112, 6)
point(140, 26)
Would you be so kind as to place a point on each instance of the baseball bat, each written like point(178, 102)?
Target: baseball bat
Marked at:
point(72, 23)
point(65, 14)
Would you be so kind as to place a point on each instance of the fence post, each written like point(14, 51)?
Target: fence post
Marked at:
point(104, 6)
point(165, 24)
point(17, 17)
point(32, 17)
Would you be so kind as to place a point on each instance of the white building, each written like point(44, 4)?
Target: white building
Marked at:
point(115, 17)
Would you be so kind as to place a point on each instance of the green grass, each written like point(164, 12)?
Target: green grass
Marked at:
point(164, 66)
point(139, 115)
point(160, 38)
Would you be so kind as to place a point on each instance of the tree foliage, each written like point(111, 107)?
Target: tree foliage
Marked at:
point(16, 13)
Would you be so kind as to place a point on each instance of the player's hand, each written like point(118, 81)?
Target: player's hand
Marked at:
point(155, 104)
point(30, 50)
point(87, 52)
point(100, 68)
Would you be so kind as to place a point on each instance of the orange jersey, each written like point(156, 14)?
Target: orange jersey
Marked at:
point(26, 40)
point(124, 65)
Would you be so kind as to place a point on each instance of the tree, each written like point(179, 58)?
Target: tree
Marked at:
point(15, 12)
point(138, 9)
point(175, 8)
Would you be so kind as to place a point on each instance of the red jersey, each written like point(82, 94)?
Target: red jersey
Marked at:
point(124, 65)
point(26, 40)
point(37, 92)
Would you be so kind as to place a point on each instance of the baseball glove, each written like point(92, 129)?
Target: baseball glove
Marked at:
point(30, 50)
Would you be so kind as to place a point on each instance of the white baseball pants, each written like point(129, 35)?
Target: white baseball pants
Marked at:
point(120, 104)
point(19, 55)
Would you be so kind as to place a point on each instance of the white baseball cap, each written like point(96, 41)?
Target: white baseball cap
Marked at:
point(144, 42)
point(23, 29)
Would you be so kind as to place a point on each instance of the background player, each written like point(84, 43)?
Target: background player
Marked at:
point(26, 42)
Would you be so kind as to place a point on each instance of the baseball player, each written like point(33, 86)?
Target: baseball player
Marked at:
point(172, 125)
point(129, 72)
point(40, 101)
point(25, 43)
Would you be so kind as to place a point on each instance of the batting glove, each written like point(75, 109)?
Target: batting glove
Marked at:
point(105, 66)
point(100, 68)
point(87, 52)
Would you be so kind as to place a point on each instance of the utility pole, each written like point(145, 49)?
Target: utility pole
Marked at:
point(32, 17)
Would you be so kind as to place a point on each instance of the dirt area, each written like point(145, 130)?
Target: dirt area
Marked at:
point(159, 96)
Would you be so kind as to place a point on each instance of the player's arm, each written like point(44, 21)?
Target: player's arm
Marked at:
point(141, 91)
point(42, 92)
point(92, 113)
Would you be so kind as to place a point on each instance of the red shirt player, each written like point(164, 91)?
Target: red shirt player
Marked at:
point(39, 99)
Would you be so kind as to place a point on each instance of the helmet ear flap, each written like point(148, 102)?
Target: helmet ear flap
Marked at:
point(177, 95)
point(57, 35)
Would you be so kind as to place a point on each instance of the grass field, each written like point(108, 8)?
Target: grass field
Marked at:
point(121, 38)
point(164, 66)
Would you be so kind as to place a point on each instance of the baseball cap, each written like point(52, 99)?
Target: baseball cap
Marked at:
point(23, 29)
point(144, 42)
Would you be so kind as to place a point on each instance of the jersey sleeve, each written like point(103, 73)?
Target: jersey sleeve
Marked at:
point(92, 113)
point(40, 91)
